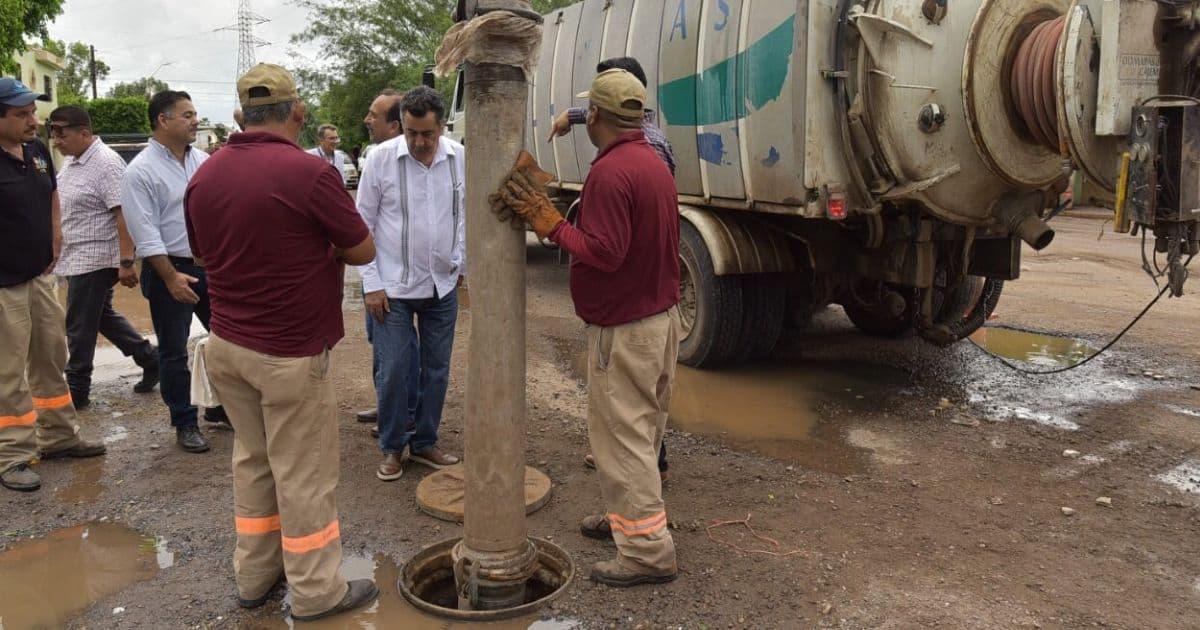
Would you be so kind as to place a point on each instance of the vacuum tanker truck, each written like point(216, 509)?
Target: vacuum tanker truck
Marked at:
point(891, 156)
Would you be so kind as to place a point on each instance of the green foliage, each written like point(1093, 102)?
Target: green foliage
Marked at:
point(221, 132)
point(371, 45)
point(119, 115)
point(20, 19)
point(75, 80)
point(142, 88)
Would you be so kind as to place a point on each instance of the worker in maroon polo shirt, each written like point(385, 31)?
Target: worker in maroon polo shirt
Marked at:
point(274, 227)
point(625, 285)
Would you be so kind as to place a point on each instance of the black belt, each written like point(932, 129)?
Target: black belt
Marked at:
point(181, 260)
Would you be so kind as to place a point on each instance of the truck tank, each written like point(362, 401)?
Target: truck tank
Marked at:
point(891, 156)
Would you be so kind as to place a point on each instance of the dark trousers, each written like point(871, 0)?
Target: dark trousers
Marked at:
point(173, 325)
point(90, 313)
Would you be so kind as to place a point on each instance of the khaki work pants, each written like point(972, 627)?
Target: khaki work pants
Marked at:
point(285, 472)
point(631, 370)
point(35, 404)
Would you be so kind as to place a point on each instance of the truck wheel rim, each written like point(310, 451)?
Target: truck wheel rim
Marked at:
point(687, 297)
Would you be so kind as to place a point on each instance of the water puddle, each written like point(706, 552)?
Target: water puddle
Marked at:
point(1185, 477)
point(86, 483)
point(787, 411)
point(391, 610)
point(46, 581)
point(1037, 350)
point(1058, 401)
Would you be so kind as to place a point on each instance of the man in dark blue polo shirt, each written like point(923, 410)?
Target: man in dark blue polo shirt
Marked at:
point(35, 404)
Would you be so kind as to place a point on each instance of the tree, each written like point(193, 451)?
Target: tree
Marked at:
point(371, 45)
point(142, 88)
point(221, 131)
point(119, 115)
point(19, 19)
point(75, 80)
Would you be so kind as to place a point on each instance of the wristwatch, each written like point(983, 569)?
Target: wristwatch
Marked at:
point(126, 263)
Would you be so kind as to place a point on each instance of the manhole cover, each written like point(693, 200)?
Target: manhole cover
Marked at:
point(441, 494)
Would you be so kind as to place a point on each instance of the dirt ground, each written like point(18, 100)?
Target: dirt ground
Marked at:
point(906, 486)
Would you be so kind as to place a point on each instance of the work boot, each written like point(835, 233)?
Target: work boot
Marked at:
point(368, 415)
point(360, 593)
point(596, 526)
point(79, 451)
point(434, 458)
point(149, 375)
point(80, 400)
point(250, 604)
point(614, 573)
point(392, 467)
point(20, 478)
point(190, 440)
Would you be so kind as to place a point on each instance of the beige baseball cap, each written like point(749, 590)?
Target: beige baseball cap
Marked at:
point(266, 84)
point(613, 88)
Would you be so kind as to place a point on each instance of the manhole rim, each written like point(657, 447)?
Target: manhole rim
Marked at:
point(545, 548)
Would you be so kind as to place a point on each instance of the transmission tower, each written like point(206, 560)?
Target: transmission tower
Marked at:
point(247, 42)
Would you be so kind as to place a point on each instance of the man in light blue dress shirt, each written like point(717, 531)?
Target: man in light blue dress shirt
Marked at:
point(174, 283)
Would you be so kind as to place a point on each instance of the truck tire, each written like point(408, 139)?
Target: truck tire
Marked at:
point(710, 307)
point(763, 311)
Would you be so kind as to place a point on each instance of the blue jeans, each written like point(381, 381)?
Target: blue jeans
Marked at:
point(414, 375)
point(173, 324)
point(396, 352)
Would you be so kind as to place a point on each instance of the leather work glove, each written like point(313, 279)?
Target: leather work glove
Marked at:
point(523, 192)
point(528, 199)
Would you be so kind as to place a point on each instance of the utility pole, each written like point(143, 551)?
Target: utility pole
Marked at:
point(92, 69)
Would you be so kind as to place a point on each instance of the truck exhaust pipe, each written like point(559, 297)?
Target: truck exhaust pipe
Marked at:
point(1020, 215)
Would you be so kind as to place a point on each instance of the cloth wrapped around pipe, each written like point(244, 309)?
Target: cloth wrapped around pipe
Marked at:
point(499, 37)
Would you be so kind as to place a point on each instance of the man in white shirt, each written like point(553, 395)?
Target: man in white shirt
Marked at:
point(384, 121)
point(412, 199)
point(327, 149)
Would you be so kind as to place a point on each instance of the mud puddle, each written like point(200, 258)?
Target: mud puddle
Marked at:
point(391, 610)
point(46, 581)
point(788, 411)
point(1037, 350)
point(1062, 400)
point(785, 411)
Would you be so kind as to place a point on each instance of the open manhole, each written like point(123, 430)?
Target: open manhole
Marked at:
point(427, 582)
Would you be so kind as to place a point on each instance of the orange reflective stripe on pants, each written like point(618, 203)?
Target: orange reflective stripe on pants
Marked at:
point(52, 403)
point(643, 527)
point(18, 421)
point(312, 542)
point(256, 525)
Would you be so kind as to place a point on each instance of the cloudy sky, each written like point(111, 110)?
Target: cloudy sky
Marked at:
point(182, 43)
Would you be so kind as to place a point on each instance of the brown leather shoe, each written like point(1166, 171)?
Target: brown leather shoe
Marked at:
point(435, 458)
point(391, 468)
point(80, 450)
point(614, 573)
